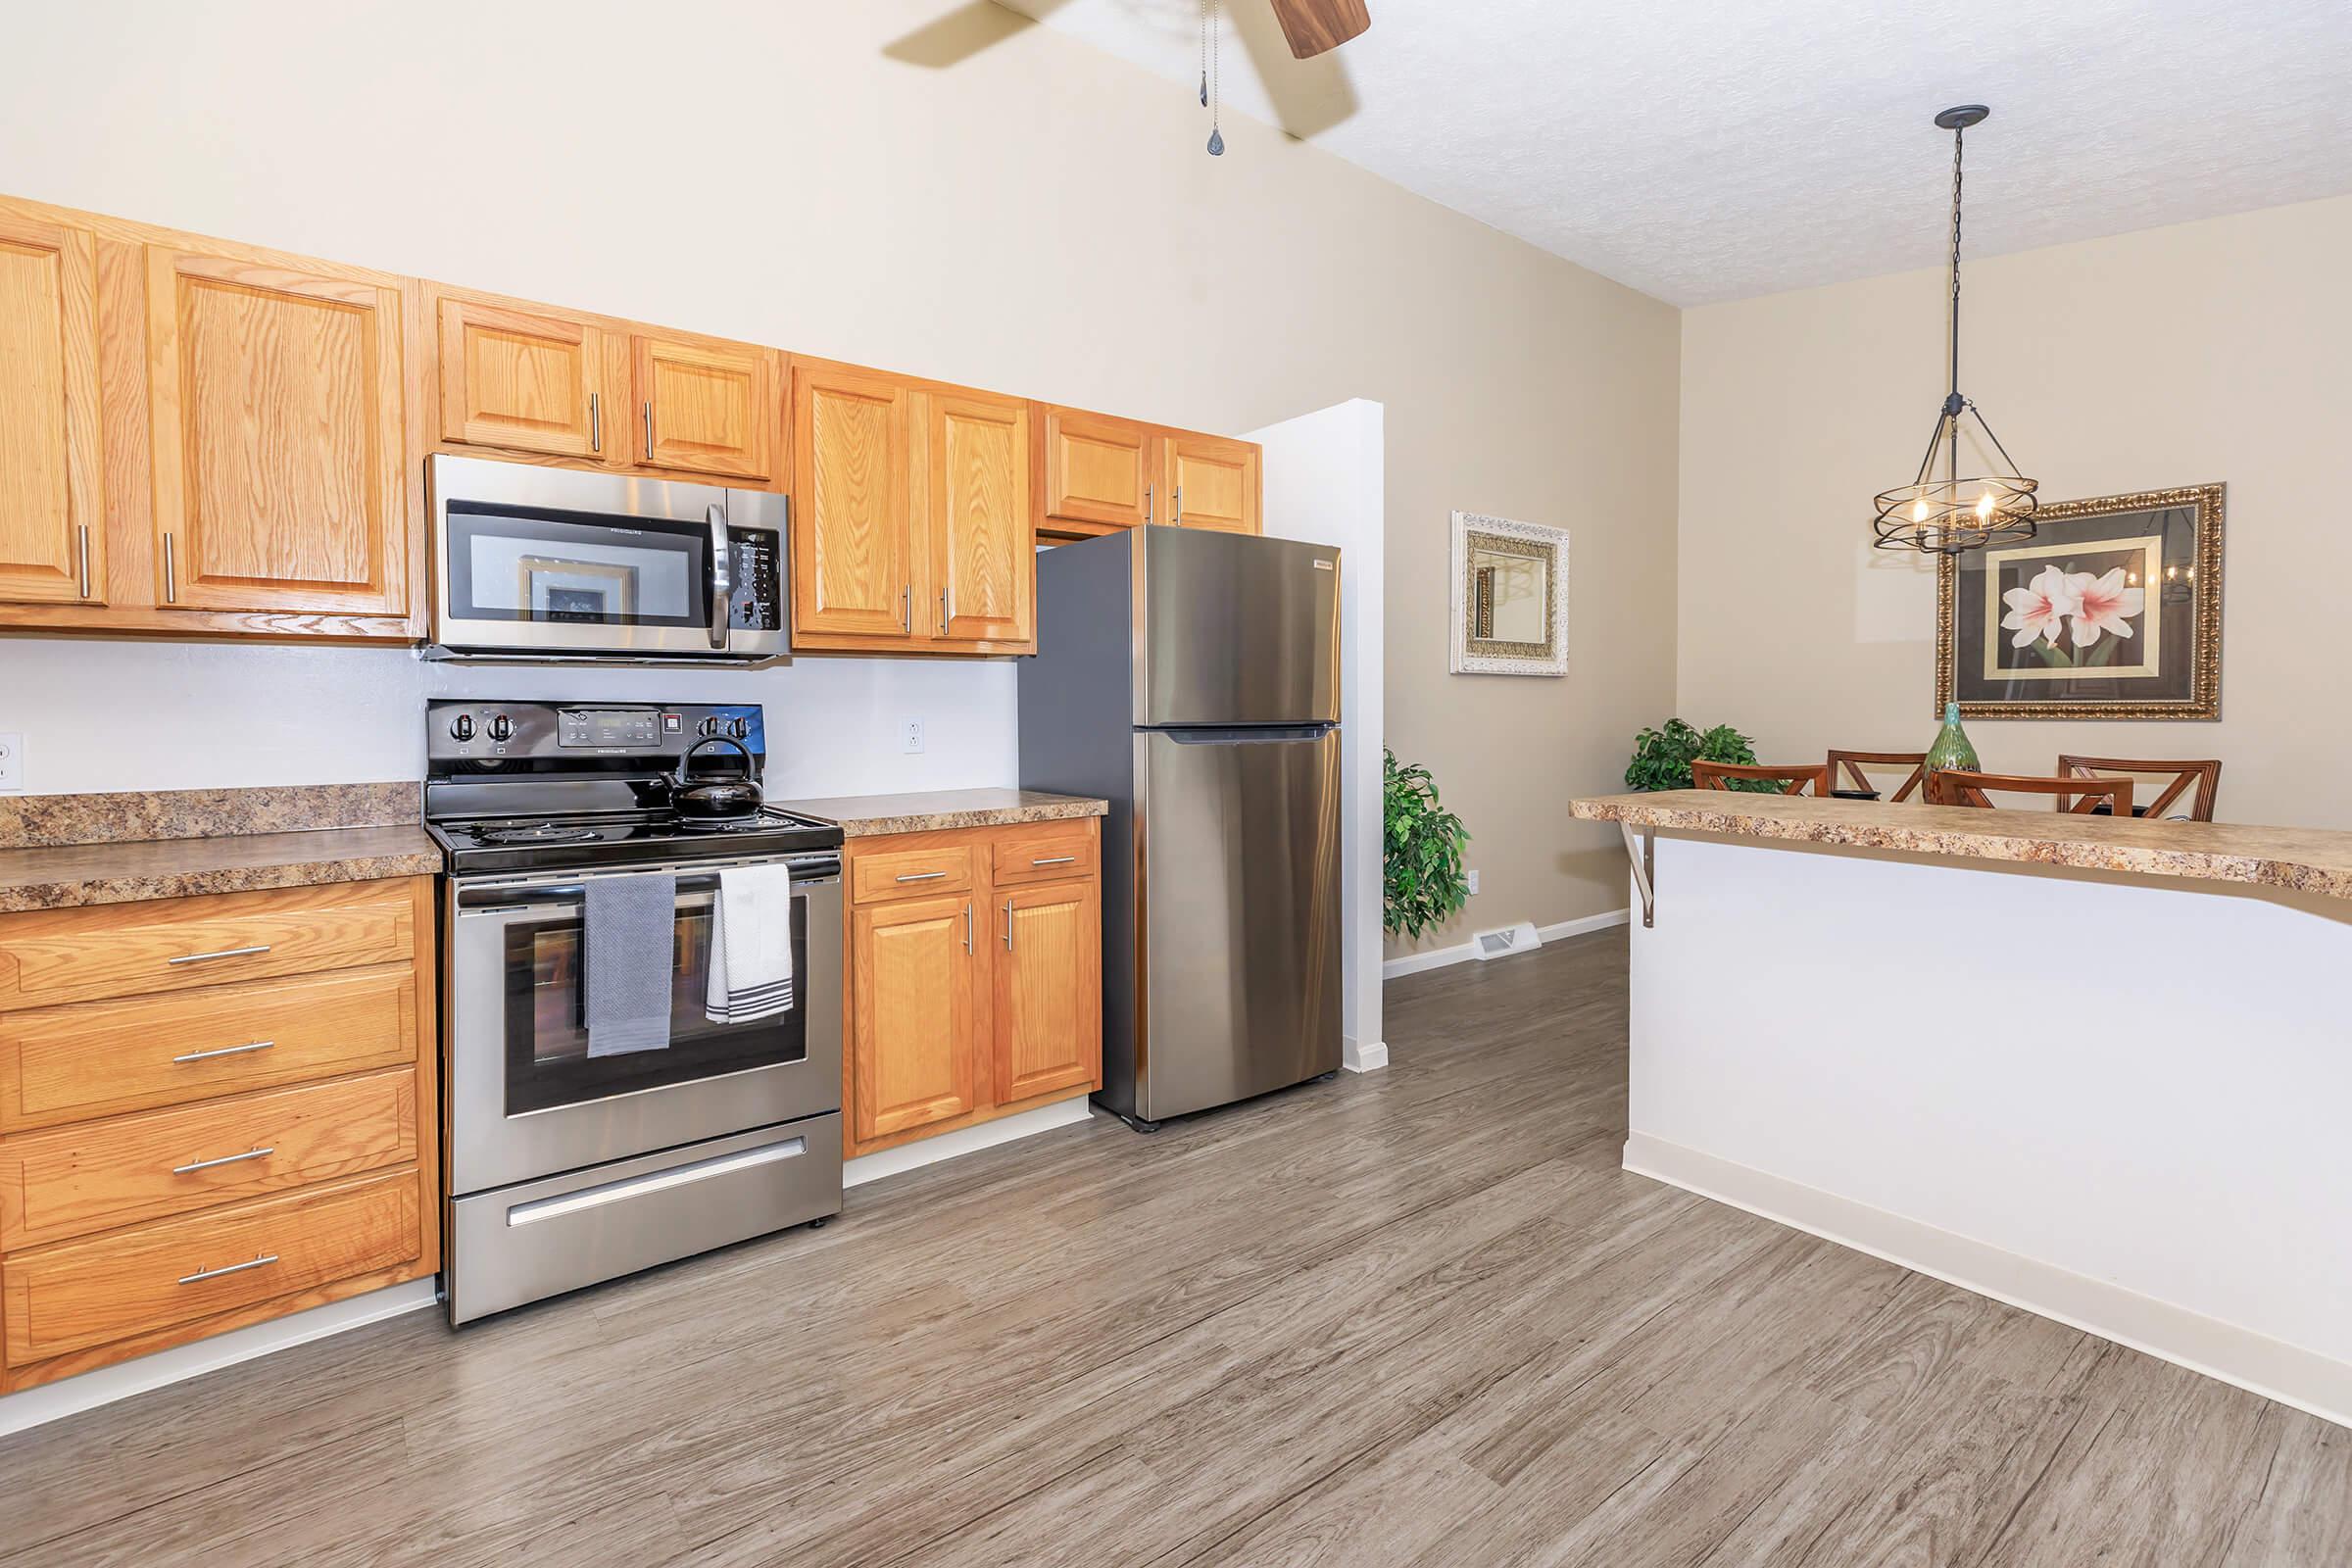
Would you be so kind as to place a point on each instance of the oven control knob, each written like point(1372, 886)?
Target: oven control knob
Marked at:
point(502, 728)
point(739, 728)
point(707, 727)
point(461, 727)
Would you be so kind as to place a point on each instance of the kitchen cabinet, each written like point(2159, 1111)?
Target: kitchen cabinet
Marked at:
point(214, 1110)
point(523, 380)
point(277, 416)
point(912, 521)
point(705, 406)
point(52, 528)
point(975, 976)
point(1096, 473)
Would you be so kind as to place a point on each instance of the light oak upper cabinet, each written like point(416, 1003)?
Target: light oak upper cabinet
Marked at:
point(276, 412)
point(852, 536)
point(52, 533)
point(1212, 483)
point(1048, 989)
point(983, 550)
point(1098, 471)
point(912, 526)
point(915, 1048)
point(524, 381)
point(705, 406)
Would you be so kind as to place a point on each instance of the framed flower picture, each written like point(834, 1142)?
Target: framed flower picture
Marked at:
point(2113, 610)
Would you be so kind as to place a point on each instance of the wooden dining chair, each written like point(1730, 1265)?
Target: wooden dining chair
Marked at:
point(1792, 779)
point(1852, 763)
point(1957, 786)
point(2205, 773)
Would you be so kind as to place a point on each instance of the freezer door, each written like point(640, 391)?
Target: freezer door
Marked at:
point(1235, 629)
point(1239, 914)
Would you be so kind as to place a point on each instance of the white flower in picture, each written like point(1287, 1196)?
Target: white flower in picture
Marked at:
point(2102, 604)
point(2035, 609)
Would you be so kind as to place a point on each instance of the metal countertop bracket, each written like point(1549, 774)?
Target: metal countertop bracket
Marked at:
point(1643, 852)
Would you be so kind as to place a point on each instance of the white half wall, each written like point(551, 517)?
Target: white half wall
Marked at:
point(1326, 485)
point(103, 714)
point(2116, 1101)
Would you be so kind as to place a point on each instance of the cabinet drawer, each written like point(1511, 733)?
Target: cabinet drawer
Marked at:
point(125, 950)
point(83, 1293)
point(61, 1065)
point(1044, 851)
point(72, 1181)
point(906, 873)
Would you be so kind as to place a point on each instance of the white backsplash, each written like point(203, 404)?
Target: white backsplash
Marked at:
point(105, 714)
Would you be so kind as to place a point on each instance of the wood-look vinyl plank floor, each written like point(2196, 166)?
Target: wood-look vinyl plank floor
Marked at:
point(1419, 1317)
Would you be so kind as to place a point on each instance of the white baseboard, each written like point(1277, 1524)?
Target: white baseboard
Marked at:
point(1363, 1055)
point(2305, 1379)
point(30, 1407)
point(1439, 957)
point(963, 1141)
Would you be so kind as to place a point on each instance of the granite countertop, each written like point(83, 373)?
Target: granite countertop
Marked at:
point(2306, 859)
point(870, 816)
point(60, 850)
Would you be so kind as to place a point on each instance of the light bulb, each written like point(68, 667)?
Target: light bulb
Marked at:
point(1985, 504)
point(1919, 509)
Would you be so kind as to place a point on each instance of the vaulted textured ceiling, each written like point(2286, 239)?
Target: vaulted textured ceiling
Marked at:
point(1704, 150)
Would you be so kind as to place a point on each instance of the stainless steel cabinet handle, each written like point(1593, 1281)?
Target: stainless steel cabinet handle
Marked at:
point(1148, 506)
point(234, 1268)
point(922, 876)
point(648, 431)
point(81, 544)
point(967, 925)
point(596, 425)
point(907, 607)
point(943, 612)
point(225, 952)
point(1008, 925)
point(170, 574)
point(225, 1159)
point(1054, 860)
point(225, 1050)
point(1180, 506)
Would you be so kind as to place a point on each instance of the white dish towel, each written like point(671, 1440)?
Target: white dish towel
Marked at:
point(751, 944)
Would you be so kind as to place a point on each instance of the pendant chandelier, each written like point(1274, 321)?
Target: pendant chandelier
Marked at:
point(1950, 515)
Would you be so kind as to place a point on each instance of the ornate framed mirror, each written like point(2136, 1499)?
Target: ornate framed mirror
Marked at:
point(1510, 597)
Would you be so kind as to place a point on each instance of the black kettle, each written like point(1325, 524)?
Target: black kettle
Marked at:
point(711, 799)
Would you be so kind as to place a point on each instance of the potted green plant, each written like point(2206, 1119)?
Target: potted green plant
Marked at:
point(1422, 884)
point(1662, 756)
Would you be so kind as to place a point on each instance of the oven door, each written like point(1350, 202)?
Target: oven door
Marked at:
point(524, 1098)
point(529, 559)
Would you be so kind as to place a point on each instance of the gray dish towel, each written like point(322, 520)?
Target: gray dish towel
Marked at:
point(631, 923)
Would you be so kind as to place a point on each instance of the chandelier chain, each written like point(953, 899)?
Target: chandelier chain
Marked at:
point(1959, 135)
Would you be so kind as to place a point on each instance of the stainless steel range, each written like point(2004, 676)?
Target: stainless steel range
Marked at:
point(565, 1166)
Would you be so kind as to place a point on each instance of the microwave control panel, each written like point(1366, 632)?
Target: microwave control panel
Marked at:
point(755, 602)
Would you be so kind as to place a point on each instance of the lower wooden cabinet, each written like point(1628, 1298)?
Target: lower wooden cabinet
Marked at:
point(214, 1110)
point(974, 1003)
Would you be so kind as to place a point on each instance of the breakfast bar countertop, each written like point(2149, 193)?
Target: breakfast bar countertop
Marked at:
point(871, 816)
point(2304, 859)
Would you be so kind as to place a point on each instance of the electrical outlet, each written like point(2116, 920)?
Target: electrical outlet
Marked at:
point(1474, 881)
point(910, 736)
point(12, 762)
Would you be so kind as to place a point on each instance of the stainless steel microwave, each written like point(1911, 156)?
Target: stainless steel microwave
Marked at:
point(539, 564)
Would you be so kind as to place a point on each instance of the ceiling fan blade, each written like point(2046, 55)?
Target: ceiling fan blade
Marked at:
point(1314, 25)
point(957, 35)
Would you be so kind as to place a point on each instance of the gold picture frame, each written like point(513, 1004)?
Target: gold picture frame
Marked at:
point(2183, 623)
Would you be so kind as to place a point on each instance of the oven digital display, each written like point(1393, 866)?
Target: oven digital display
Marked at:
point(607, 726)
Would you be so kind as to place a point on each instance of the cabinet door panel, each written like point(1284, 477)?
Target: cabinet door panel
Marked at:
point(1048, 997)
point(1099, 470)
point(984, 562)
point(522, 380)
point(704, 407)
point(1212, 483)
point(915, 1049)
point(281, 479)
point(52, 545)
point(852, 535)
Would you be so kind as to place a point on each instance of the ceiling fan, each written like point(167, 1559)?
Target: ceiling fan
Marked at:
point(1314, 25)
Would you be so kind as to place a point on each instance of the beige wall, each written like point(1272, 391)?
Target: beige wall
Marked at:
point(2213, 351)
point(1038, 219)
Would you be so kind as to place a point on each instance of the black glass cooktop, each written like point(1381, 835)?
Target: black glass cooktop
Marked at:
point(476, 845)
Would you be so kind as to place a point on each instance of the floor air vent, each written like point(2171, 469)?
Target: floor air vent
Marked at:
point(1507, 940)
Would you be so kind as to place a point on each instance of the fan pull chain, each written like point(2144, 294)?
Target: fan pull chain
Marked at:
point(1204, 54)
point(1216, 72)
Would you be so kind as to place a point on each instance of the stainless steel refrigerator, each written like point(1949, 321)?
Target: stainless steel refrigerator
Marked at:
point(1191, 678)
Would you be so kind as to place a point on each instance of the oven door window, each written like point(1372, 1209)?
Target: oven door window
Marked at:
point(540, 564)
point(547, 1027)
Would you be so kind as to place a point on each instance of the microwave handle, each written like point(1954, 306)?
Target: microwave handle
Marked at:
point(722, 576)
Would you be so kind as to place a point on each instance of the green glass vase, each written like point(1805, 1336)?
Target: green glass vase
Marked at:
point(1951, 748)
